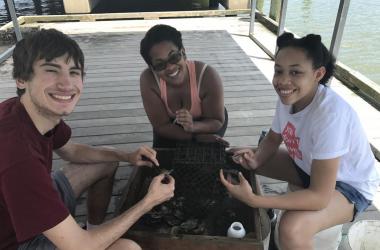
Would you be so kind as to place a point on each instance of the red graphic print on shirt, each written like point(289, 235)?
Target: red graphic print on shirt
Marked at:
point(291, 141)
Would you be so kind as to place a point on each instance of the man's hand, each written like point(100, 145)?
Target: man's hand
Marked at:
point(160, 189)
point(143, 156)
point(185, 119)
point(241, 191)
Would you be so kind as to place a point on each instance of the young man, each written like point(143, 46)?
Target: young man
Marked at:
point(36, 206)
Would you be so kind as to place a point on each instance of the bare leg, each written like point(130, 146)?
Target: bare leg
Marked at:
point(124, 244)
point(281, 167)
point(297, 228)
point(98, 180)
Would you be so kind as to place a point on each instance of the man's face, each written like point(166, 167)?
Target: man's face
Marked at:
point(54, 88)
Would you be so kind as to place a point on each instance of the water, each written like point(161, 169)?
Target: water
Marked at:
point(360, 43)
point(359, 49)
point(32, 7)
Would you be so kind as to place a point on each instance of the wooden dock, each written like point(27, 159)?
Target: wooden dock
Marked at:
point(110, 111)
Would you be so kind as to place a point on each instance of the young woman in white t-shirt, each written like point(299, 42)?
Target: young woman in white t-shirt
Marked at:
point(326, 150)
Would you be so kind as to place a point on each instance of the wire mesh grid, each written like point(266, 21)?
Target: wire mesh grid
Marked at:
point(196, 171)
point(201, 205)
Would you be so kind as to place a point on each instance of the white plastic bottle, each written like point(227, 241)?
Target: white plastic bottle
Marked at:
point(236, 230)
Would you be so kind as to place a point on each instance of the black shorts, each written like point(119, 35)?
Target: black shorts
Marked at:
point(62, 185)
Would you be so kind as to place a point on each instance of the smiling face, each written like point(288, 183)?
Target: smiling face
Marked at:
point(174, 72)
point(53, 89)
point(295, 80)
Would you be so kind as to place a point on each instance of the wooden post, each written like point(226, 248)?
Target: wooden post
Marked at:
point(236, 4)
point(281, 18)
point(275, 6)
point(260, 5)
point(200, 4)
point(340, 23)
point(79, 6)
point(253, 14)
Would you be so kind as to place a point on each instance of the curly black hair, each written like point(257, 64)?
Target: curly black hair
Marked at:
point(157, 34)
point(314, 49)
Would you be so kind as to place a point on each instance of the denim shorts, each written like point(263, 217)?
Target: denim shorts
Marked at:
point(62, 185)
point(348, 191)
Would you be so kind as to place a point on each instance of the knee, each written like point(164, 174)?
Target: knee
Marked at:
point(293, 233)
point(109, 169)
point(125, 244)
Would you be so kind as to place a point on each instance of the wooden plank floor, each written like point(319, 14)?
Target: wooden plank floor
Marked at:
point(110, 111)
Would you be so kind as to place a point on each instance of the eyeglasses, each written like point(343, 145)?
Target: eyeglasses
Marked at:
point(173, 58)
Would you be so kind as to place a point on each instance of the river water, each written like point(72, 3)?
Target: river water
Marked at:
point(361, 38)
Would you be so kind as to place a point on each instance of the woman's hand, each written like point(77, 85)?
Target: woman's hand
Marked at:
point(185, 119)
point(246, 158)
point(241, 191)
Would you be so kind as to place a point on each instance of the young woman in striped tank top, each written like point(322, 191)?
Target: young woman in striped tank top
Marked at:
point(183, 99)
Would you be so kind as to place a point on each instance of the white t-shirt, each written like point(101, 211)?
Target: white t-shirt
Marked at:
point(328, 128)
